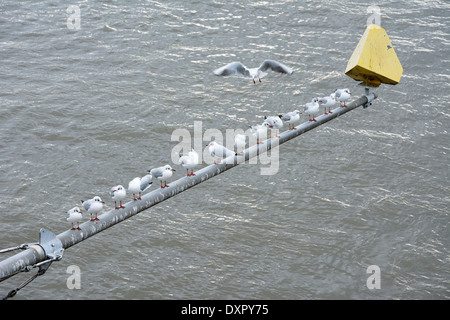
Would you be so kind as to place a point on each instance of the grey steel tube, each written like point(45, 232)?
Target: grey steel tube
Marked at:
point(19, 262)
point(71, 237)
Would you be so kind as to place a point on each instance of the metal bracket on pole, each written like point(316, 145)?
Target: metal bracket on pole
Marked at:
point(369, 96)
point(52, 246)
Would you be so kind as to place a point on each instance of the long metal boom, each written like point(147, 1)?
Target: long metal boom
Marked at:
point(51, 246)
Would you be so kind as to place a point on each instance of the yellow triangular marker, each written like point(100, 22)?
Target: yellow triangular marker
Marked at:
point(374, 60)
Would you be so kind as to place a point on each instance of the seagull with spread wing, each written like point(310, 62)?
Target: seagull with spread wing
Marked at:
point(238, 69)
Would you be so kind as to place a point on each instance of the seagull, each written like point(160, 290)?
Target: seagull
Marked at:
point(139, 185)
point(190, 161)
point(94, 205)
point(260, 131)
point(274, 122)
point(118, 193)
point(219, 151)
point(342, 95)
point(74, 215)
point(162, 173)
point(291, 118)
point(237, 68)
point(240, 142)
point(312, 108)
point(329, 102)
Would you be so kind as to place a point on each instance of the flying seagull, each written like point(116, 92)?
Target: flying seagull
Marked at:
point(238, 69)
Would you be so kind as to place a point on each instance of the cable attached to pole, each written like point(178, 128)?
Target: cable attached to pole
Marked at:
point(43, 266)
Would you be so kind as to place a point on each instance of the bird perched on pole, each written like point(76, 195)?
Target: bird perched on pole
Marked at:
point(274, 123)
point(259, 131)
point(139, 185)
point(240, 141)
point(219, 151)
point(74, 215)
point(312, 108)
point(190, 161)
point(342, 95)
point(162, 174)
point(291, 118)
point(93, 206)
point(329, 102)
point(118, 193)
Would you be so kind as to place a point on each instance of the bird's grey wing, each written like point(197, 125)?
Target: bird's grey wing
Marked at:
point(233, 68)
point(337, 94)
point(324, 100)
point(226, 152)
point(111, 192)
point(231, 153)
point(86, 204)
point(146, 182)
point(157, 172)
point(306, 108)
point(286, 117)
point(275, 66)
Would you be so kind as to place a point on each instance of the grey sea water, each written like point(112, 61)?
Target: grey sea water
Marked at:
point(84, 110)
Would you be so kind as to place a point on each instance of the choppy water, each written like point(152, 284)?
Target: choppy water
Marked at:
point(83, 110)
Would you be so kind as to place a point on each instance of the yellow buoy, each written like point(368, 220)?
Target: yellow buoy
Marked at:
point(374, 60)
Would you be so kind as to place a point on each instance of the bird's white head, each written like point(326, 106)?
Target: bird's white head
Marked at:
point(168, 168)
point(98, 199)
point(268, 122)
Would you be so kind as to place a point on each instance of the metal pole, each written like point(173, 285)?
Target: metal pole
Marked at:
point(52, 246)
